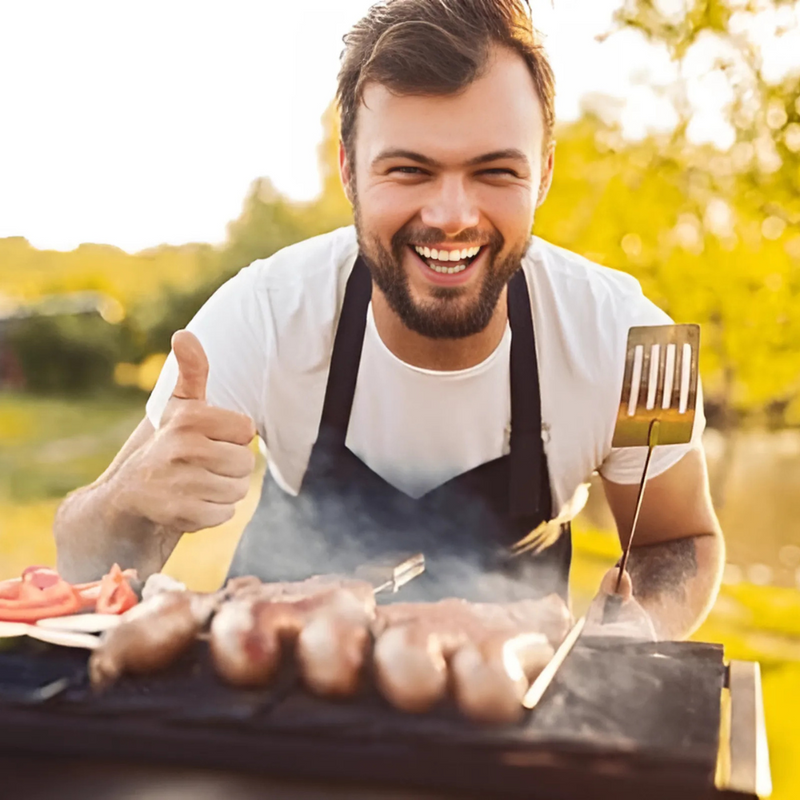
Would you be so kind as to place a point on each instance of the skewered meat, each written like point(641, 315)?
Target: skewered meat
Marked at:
point(488, 652)
point(251, 632)
point(332, 646)
point(410, 667)
point(151, 635)
point(490, 679)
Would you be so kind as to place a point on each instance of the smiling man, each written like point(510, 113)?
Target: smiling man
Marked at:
point(432, 379)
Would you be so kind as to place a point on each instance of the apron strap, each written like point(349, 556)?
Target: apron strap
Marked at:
point(530, 493)
point(346, 356)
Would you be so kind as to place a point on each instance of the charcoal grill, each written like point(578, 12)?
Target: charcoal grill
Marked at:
point(622, 720)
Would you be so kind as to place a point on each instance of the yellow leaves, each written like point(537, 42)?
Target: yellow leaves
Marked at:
point(142, 376)
point(772, 228)
point(631, 245)
point(16, 423)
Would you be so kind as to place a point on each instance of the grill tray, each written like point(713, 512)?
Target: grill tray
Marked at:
point(621, 717)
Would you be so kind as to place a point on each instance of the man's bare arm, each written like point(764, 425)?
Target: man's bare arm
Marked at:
point(92, 530)
point(181, 478)
point(678, 552)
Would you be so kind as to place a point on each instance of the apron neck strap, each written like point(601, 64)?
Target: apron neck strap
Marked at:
point(346, 356)
point(529, 476)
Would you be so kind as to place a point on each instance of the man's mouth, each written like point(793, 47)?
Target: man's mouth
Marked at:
point(444, 262)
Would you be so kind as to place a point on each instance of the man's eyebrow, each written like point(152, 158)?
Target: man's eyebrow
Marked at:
point(410, 155)
point(510, 154)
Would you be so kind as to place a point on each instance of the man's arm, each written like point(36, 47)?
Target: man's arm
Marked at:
point(93, 530)
point(678, 552)
point(183, 477)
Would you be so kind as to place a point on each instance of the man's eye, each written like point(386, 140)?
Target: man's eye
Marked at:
point(406, 170)
point(500, 171)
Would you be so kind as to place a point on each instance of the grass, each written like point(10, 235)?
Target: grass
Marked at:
point(51, 446)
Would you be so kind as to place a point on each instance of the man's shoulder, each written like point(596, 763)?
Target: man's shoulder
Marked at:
point(308, 261)
point(567, 271)
point(584, 304)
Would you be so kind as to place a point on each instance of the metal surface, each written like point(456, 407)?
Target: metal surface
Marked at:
point(660, 382)
point(749, 756)
point(545, 677)
point(393, 574)
point(585, 739)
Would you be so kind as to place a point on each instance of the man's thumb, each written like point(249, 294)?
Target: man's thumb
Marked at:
point(192, 366)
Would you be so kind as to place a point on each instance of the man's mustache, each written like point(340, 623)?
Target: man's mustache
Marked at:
point(435, 236)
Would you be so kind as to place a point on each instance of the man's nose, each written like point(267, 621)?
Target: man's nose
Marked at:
point(450, 208)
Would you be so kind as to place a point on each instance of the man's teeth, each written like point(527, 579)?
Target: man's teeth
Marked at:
point(443, 256)
point(447, 255)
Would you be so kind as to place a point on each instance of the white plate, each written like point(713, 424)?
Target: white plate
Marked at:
point(10, 629)
point(64, 638)
point(81, 623)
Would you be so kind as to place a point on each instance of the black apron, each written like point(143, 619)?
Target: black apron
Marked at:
point(346, 515)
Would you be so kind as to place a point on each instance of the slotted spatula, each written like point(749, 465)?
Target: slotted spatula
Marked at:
point(657, 406)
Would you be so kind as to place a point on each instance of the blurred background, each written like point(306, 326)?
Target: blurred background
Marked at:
point(149, 151)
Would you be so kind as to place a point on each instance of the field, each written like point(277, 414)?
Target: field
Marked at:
point(49, 447)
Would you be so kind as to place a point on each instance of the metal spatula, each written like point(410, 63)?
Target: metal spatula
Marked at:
point(657, 406)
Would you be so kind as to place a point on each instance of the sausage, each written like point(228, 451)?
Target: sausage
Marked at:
point(490, 650)
point(151, 636)
point(410, 667)
point(252, 632)
point(490, 678)
point(243, 654)
point(333, 645)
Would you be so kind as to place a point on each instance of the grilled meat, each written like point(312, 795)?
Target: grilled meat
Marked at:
point(487, 652)
point(327, 618)
point(151, 636)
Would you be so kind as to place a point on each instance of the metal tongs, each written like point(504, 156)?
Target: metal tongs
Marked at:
point(392, 572)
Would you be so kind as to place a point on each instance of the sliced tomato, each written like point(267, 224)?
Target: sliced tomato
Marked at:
point(116, 595)
point(41, 577)
point(37, 596)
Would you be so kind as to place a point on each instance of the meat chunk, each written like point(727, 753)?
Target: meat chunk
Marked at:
point(488, 653)
point(151, 636)
point(333, 645)
point(325, 619)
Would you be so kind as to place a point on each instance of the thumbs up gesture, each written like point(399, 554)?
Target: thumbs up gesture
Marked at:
point(197, 465)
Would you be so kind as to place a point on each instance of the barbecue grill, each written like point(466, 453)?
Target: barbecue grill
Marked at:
point(621, 720)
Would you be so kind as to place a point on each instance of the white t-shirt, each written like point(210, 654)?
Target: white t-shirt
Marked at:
point(268, 333)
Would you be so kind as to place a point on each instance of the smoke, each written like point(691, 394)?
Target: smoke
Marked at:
point(339, 528)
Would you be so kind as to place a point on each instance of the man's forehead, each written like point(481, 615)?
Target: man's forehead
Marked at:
point(500, 110)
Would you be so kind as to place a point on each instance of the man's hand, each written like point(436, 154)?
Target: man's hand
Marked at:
point(631, 621)
point(678, 551)
point(197, 465)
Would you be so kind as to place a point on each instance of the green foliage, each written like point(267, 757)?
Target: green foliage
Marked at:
point(66, 354)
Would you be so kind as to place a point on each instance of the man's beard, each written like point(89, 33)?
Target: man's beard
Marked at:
point(446, 315)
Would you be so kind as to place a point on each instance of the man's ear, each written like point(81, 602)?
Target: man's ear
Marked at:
point(546, 181)
point(345, 172)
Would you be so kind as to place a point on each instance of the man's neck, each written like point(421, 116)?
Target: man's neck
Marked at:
point(444, 355)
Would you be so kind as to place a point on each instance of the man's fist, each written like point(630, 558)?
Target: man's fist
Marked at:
point(631, 621)
point(197, 465)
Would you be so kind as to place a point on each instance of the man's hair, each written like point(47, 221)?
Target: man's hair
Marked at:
point(437, 47)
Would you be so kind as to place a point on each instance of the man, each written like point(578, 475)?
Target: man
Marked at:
point(433, 379)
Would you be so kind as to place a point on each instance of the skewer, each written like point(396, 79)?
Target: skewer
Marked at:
point(398, 576)
point(545, 677)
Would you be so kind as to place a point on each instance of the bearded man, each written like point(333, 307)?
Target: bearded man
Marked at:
point(432, 379)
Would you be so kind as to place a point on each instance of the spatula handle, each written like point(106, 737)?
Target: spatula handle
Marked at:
point(611, 608)
point(652, 441)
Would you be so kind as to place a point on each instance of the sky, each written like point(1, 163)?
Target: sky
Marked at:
point(142, 122)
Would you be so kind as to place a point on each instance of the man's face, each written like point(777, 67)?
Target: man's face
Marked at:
point(444, 191)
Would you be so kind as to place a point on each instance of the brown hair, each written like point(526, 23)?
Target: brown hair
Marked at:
point(437, 47)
